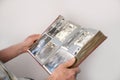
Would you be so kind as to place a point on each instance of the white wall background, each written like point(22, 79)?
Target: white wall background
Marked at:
point(20, 18)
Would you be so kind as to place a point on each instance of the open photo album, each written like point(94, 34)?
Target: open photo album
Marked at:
point(63, 40)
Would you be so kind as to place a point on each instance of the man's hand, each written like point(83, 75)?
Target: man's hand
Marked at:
point(29, 41)
point(63, 72)
point(17, 49)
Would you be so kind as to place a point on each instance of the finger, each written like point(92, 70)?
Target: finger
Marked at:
point(35, 36)
point(69, 63)
point(76, 70)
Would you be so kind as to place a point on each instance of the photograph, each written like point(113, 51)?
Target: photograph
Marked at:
point(37, 47)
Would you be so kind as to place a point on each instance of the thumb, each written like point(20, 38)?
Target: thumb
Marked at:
point(69, 63)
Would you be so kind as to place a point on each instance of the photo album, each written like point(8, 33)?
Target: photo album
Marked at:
point(63, 40)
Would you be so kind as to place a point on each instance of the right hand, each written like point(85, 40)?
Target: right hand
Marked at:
point(63, 72)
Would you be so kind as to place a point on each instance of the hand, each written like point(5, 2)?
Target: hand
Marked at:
point(29, 41)
point(63, 72)
point(17, 49)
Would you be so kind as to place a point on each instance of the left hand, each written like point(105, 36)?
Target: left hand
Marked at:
point(29, 41)
point(17, 49)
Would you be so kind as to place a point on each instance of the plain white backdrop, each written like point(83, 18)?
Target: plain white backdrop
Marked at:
point(20, 18)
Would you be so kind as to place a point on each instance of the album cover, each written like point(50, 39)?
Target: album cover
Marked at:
point(63, 40)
